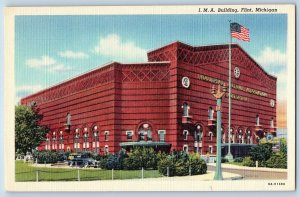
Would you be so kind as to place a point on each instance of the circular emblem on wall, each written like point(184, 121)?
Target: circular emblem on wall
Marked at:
point(237, 72)
point(272, 103)
point(185, 82)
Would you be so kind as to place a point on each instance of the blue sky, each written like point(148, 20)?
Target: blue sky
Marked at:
point(51, 49)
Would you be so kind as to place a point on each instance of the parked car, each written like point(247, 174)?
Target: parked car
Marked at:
point(82, 162)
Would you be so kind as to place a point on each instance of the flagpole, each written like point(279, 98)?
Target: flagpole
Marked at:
point(229, 155)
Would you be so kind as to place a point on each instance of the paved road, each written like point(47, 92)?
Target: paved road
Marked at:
point(251, 174)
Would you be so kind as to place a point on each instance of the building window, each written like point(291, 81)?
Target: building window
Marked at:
point(95, 140)
point(231, 136)
point(61, 141)
point(145, 129)
point(210, 134)
point(198, 133)
point(185, 148)
point(54, 142)
point(185, 134)
point(47, 147)
point(240, 136)
point(272, 123)
point(86, 142)
point(77, 141)
point(249, 137)
point(129, 135)
point(210, 113)
point(106, 151)
point(162, 134)
point(106, 133)
point(186, 108)
point(257, 120)
point(210, 149)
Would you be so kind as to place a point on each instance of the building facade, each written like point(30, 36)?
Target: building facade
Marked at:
point(165, 103)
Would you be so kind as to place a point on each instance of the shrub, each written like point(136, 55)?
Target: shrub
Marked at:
point(238, 159)
point(261, 153)
point(96, 156)
point(247, 161)
point(179, 164)
point(198, 165)
point(277, 161)
point(166, 163)
point(46, 156)
point(141, 158)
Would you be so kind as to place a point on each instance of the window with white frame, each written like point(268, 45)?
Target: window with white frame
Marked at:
point(186, 109)
point(185, 148)
point(54, 141)
point(161, 134)
point(198, 133)
point(240, 136)
point(106, 133)
point(257, 120)
point(95, 140)
point(61, 141)
point(210, 149)
point(185, 134)
point(272, 123)
point(86, 141)
point(129, 135)
point(210, 113)
point(210, 135)
point(47, 146)
point(77, 141)
point(106, 151)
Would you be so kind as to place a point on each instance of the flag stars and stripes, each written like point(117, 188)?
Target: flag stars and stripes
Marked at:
point(239, 32)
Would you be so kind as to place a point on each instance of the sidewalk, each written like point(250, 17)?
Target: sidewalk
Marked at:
point(231, 166)
point(209, 176)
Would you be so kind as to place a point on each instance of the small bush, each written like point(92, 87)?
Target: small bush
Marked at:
point(198, 165)
point(238, 159)
point(166, 163)
point(141, 158)
point(277, 161)
point(46, 156)
point(247, 161)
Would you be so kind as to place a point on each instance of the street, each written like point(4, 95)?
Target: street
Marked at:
point(253, 174)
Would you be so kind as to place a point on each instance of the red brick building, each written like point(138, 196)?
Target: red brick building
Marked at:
point(164, 103)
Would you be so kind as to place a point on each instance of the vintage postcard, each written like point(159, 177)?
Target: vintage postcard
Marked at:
point(150, 98)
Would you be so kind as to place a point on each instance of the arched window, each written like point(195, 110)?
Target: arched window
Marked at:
point(240, 136)
point(198, 133)
point(54, 141)
point(145, 129)
point(95, 140)
point(61, 141)
point(232, 137)
point(210, 134)
point(257, 120)
point(86, 141)
point(185, 134)
point(77, 141)
point(210, 113)
point(248, 136)
point(186, 108)
point(272, 123)
point(47, 146)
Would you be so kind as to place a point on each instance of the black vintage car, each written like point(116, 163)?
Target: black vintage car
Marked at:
point(82, 161)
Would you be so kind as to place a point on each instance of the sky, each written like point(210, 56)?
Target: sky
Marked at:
point(51, 49)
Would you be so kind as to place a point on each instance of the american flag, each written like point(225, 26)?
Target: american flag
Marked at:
point(239, 32)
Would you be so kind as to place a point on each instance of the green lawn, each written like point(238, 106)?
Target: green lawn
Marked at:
point(26, 172)
point(235, 163)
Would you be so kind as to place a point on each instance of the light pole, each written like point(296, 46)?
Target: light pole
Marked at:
point(218, 94)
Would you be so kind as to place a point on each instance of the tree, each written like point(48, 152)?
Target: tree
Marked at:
point(261, 153)
point(28, 133)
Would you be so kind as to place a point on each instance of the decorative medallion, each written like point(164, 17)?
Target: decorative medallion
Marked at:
point(185, 82)
point(237, 72)
point(272, 103)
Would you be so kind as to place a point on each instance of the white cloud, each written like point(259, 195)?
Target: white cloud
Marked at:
point(113, 46)
point(41, 62)
point(25, 90)
point(73, 54)
point(48, 63)
point(59, 68)
point(271, 57)
point(281, 85)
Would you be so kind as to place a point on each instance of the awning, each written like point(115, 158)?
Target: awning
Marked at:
point(145, 144)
